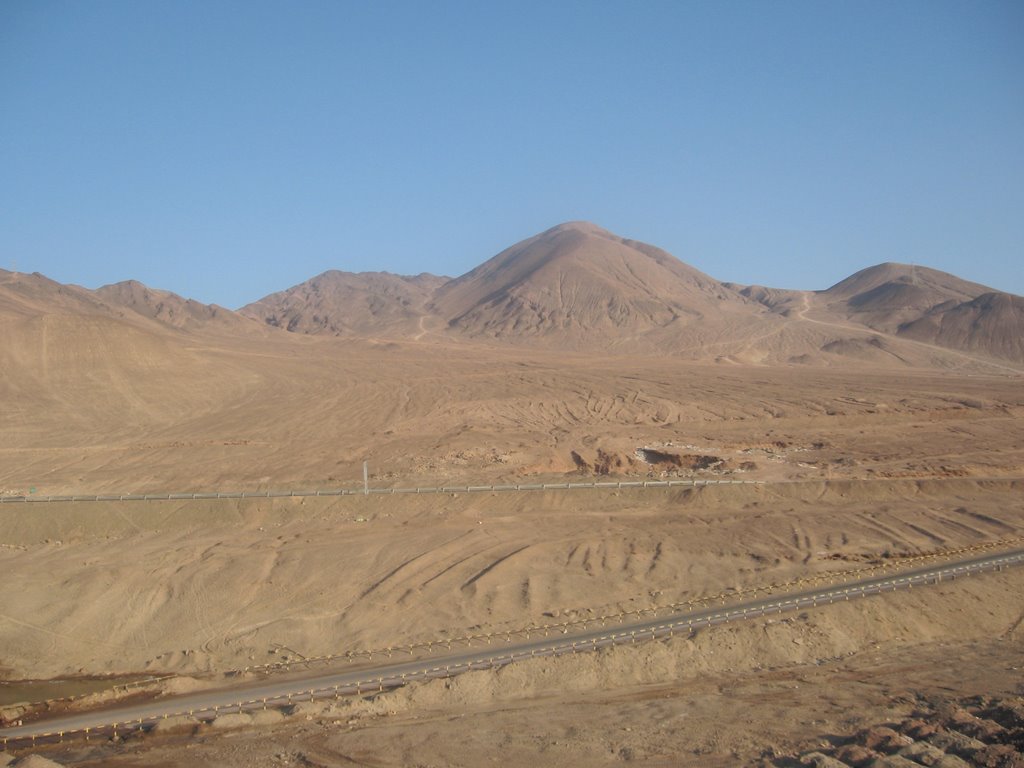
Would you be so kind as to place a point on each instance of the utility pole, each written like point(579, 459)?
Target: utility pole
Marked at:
point(366, 480)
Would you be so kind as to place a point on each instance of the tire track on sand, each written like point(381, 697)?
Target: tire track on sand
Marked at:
point(480, 574)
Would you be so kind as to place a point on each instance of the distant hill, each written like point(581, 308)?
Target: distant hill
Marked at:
point(992, 324)
point(169, 308)
point(345, 303)
point(579, 283)
point(886, 295)
point(30, 295)
point(81, 358)
point(579, 288)
point(35, 295)
point(928, 305)
point(582, 288)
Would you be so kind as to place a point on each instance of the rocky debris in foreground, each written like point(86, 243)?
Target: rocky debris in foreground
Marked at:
point(980, 732)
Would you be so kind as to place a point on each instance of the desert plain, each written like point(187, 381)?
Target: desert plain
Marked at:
point(874, 424)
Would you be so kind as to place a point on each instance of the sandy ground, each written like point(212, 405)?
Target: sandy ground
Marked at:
point(859, 467)
point(306, 412)
point(193, 587)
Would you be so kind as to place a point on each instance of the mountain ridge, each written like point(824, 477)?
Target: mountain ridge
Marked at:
point(340, 303)
point(581, 288)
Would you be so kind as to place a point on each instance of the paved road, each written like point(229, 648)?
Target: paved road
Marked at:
point(277, 692)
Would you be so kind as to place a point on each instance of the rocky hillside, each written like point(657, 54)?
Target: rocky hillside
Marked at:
point(580, 288)
point(343, 303)
point(578, 282)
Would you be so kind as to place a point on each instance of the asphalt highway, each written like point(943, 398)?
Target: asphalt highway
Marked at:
point(277, 692)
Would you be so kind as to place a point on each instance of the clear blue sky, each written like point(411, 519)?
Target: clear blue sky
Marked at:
point(225, 150)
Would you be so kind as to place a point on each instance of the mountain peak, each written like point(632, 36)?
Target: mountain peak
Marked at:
point(932, 281)
point(578, 226)
point(578, 281)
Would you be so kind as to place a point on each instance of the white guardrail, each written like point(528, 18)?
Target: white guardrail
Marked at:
point(32, 499)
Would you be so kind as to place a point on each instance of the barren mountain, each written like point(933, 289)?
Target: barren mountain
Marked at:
point(992, 324)
point(343, 303)
point(36, 296)
point(30, 295)
point(575, 286)
point(887, 295)
point(578, 284)
point(578, 287)
point(904, 302)
point(171, 309)
point(931, 306)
